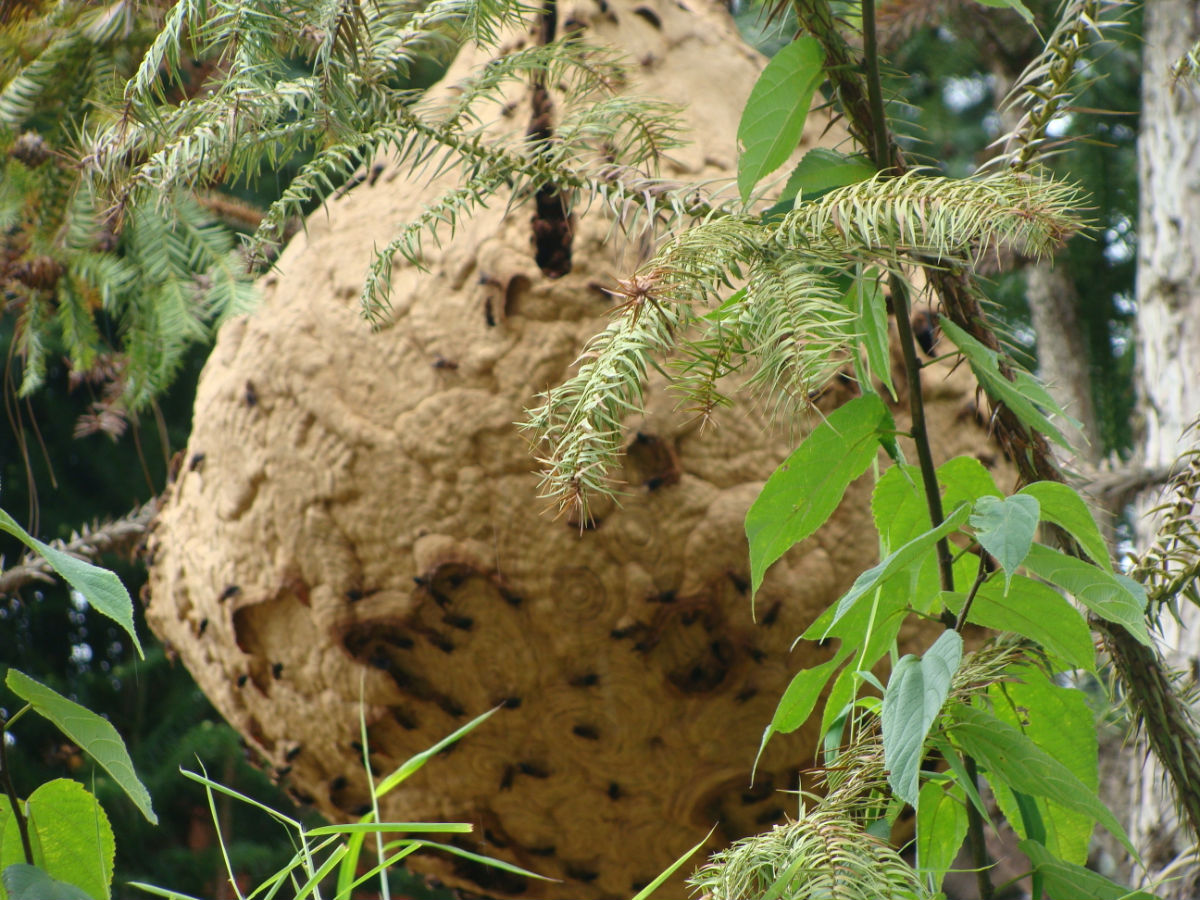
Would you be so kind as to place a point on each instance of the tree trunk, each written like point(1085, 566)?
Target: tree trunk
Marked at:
point(1168, 294)
point(1063, 353)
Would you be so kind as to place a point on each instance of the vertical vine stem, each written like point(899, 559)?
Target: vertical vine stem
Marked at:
point(9, 788)
point(882, 156)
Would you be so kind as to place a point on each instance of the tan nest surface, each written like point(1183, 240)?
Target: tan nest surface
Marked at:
point(356, 516)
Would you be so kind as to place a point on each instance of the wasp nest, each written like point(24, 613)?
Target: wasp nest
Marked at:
point(355, 526)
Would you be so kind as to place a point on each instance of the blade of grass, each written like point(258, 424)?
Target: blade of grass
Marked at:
point(666, 873)
point(416, 762)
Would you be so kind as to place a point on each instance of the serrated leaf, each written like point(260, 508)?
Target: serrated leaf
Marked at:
point(798, 700)
point(985, 363)
point(1010, 756)
point(1114, 598)
point(898, 506)
point(1066, 880)
point(803, 492)
point(94, 735)
point(915, 695)
point(100, 587)
point(25, 882)
point(1038, 612)
point(901, 560)
point(71, 837)
point(965, 479)
point(941, 828)
point(773, 119)
point(1062, 506)
point(1005, 528)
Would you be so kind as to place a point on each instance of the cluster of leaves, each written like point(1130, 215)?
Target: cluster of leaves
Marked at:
point(1033, 740)
point(105, 213)
point(123, 301)
point(116, 119)
point(812, 267)
point(58, 844)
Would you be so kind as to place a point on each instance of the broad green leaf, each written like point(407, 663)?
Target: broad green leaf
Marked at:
point(985, 363)
point(898, 506)
point(965, 479)
point(867, 302)
point(728, 308)
point(5, 815)
point(1006, 528)
point(1063, 506)
point(93, 734)
point(25, 882)
point(803, 492)
point(841, 695)
point(1029, 385)
point(1033, 825)
point(901, 560)
point(71, 837)
point(1114, 598)
point(798, 700)
point(914, 697)
point(941, 828)
point(962, 778)
point(1067, 881)
point(1011, 757)
point(1010, 4)
point(898, 502)
point(1038, 612)
point(100, 587)
point(1059, 721)
point(822, 170)
point(773, 119)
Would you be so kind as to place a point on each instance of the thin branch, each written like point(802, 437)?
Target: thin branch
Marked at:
point(919, 430)
point(119, 536)
point(882, 152)
point(980, 578)
point(10, 789)
point(1173, 733)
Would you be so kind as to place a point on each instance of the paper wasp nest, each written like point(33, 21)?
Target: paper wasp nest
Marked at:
point(356, 515)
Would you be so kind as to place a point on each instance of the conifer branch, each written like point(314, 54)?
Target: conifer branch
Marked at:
point(789, 322)
point(1050, 82)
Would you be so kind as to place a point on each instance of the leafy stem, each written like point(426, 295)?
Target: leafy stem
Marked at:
point(918, 429)
point(882, 155)
point(9, 788)
point(975, 837)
